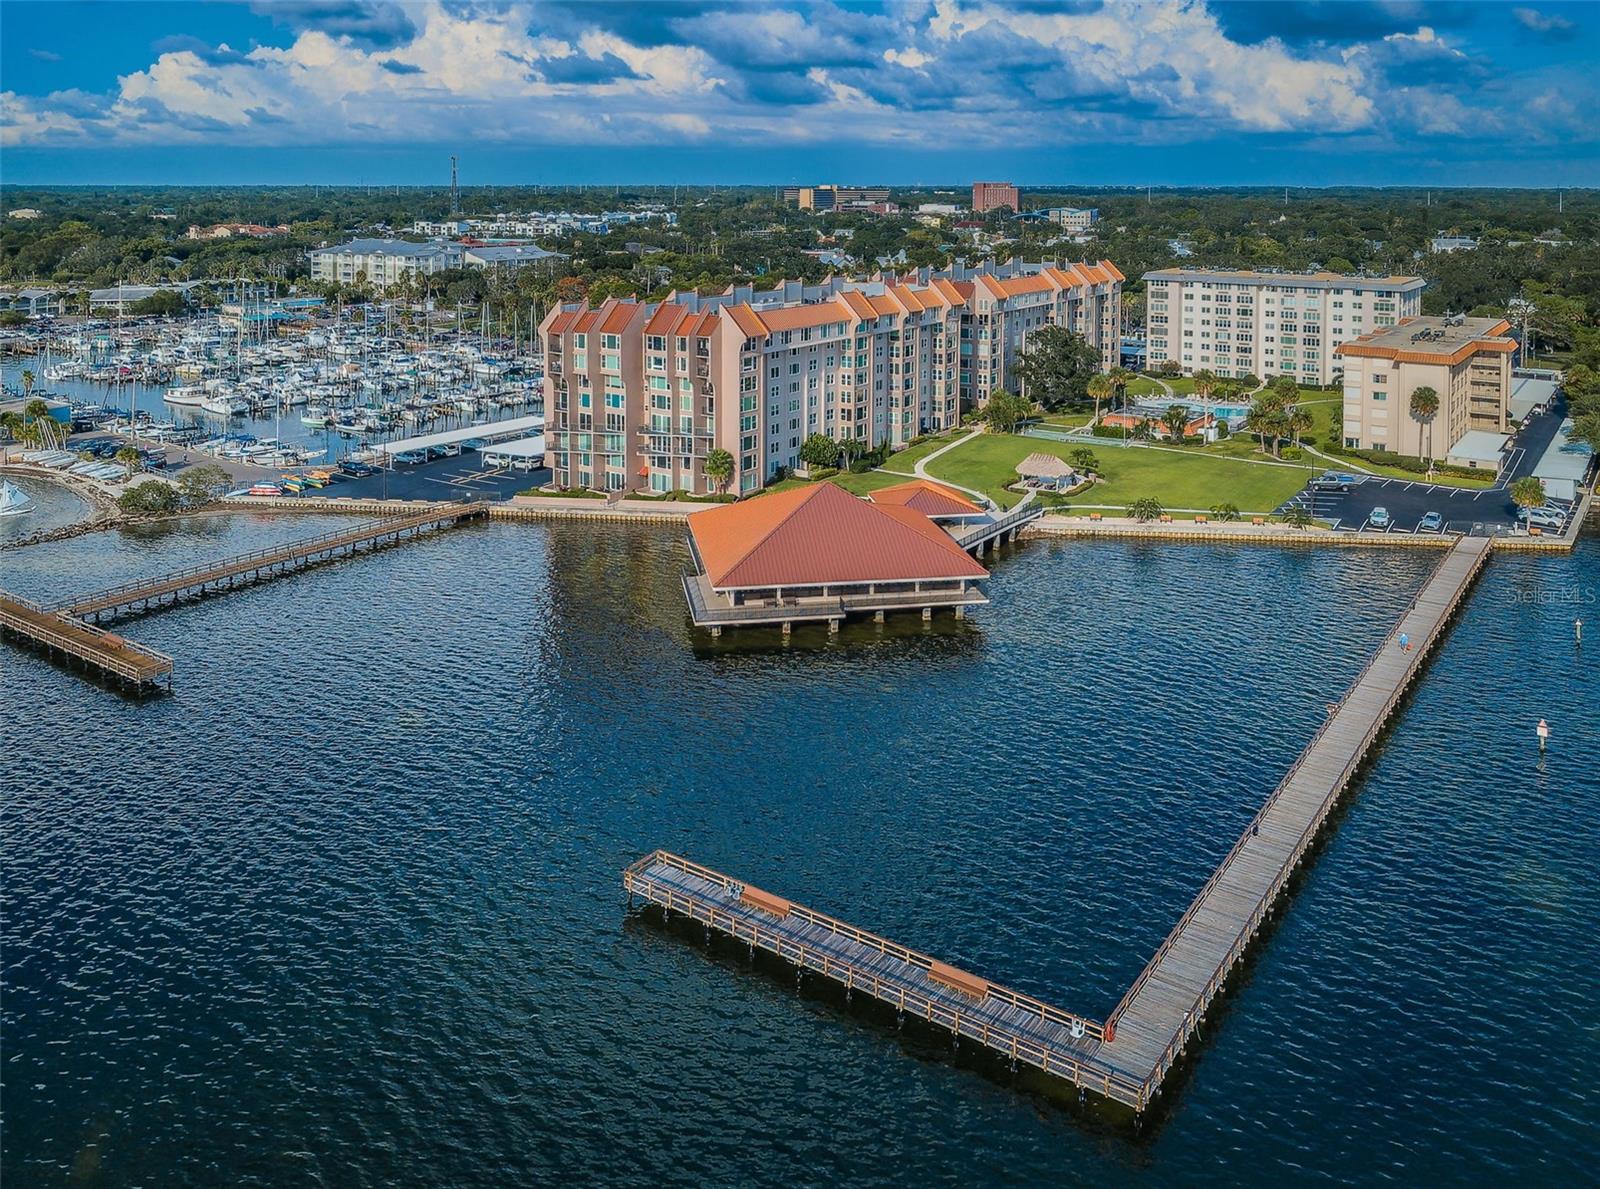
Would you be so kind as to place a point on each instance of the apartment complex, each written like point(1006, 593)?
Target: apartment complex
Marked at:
point(1467, 363)
point(988, 196)
point(382, 262)
point(1073, 218)
point(1240, 323)
point(637, 395)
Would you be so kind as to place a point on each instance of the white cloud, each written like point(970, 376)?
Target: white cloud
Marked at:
point(1540, 22)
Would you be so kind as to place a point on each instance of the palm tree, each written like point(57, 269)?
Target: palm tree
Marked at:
point(130, 458)
point(1424, 406)
point(1100, 387)
point(1262, 420)
point(719, 467)
point(1297, 421)
point(1205, 383)
point(1528, 492)
point(27, 383)
point(1120, 378)
point(1176, 420)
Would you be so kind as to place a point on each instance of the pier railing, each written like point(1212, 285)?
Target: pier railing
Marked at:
point(1286, 869)
point(1045, 1011)
point(268, 555)
point(132, 662)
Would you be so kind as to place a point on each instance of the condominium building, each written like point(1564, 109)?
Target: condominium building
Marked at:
point(1239, 323)
point(988, 196)
point(637, 395)
point(1073, 218)
point(382, 262)
point(1467, 363)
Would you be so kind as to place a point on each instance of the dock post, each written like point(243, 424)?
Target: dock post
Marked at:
point(787, 627)
point(877, 616)
point(961, 612)
point(716, 631)
point(927, 613)
point(833, 627)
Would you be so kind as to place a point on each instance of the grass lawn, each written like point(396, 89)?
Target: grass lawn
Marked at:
point(1143, 386)
point(907, 459)
point(1187, 480)
point(861, 484)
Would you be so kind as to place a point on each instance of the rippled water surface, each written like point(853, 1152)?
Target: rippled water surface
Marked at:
point(54, 506)
point(346, 908)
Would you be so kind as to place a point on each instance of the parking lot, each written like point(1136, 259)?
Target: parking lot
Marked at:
point(1463, 510)
point(458, 478)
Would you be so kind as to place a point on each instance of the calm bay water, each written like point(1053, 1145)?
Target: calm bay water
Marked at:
point(346, 909)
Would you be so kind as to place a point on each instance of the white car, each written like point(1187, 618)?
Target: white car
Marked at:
point(1379, 517)
point(1545, 517)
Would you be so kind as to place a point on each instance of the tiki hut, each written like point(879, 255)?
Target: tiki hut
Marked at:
point(1046, 470)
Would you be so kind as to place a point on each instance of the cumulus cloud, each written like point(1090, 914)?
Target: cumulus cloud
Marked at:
point(1546, 24)
point(929, 73)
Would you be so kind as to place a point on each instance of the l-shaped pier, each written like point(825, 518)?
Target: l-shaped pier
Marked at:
point(1126, 1057)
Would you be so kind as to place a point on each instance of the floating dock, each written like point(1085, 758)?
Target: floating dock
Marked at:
point(145, 594)
point(1127, 1057)
point(107, 655)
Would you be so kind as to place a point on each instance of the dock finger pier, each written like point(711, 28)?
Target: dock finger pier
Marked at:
point(1125, 1056)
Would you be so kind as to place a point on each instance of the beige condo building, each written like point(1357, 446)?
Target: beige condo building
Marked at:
point(1240, 322)
point(1467, 363)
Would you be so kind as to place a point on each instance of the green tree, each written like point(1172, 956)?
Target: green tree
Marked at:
point(1527, 492)
point(1266, 420)
point(130, 458)
point(27, 383)
point(1297, 420)
point(719, 468)
point(1205, 382)
point(1100, 388)
point(1586, 429)
point(1084, 460)
point(1297, 516)
point(150, 498)
point(1004, 411)
point(1145, 509)
point(1424, 407)
point(1056, 368)
point(1176, 420)
point(1225, 511)
point(202, 484)
point(819, 450)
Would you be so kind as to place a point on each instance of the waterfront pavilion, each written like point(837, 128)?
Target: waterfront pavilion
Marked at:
point(934, 500)
point(816, 554)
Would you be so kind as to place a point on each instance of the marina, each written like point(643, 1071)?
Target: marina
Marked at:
point(1127, 1057)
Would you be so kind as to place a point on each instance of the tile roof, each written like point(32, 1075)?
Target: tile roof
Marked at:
point(927, 497)
point(822, 534)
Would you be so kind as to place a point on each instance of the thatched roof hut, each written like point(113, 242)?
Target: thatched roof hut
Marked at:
point(1044, 466)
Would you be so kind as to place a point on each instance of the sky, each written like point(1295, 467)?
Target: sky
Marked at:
point(1040, 92)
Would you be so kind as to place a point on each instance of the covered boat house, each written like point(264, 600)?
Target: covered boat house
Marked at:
point(817, 554)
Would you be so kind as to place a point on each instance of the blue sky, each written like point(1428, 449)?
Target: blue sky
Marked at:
point(1178, 92)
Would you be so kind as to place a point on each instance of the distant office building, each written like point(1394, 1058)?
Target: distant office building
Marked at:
point(24, 212)
point(834, 198)
point(1453, 243)
point(938, 208)
point(1238, 323)
point(988, 196)
point(639, 394)
point(1467, 363)
point(1073, 218)
point(382, 262)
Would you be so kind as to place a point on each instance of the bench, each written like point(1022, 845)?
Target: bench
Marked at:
point(1202, 518)
point(765, 901)
point(1095, 516)
point(1166, 518)
point(958, 980)
point(1258, 520)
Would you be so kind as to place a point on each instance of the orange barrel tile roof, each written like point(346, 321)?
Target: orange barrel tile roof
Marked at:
point(822, 534)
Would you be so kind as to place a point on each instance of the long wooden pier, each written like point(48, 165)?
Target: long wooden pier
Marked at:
point(1127, 1057)
point(61, 628)
point(103, 653)
point(144, 594)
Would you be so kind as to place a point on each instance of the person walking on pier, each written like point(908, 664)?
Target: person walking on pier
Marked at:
point(1405, 642)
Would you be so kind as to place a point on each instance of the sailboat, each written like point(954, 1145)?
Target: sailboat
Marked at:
point(13, 500)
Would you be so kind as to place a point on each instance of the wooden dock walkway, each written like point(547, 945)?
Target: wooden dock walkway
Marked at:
point(1127, 1058)
point(107, 655)
point(145, 594)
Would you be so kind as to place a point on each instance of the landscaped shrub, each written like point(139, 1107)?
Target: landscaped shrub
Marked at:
point(824, 472)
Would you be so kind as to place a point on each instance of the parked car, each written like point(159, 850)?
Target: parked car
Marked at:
point(410, 458)
point(1431, 523)
point(1379, 518)
point(1545, 517)
point(475, 444)
point(1334, 481)
point(357, 470)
